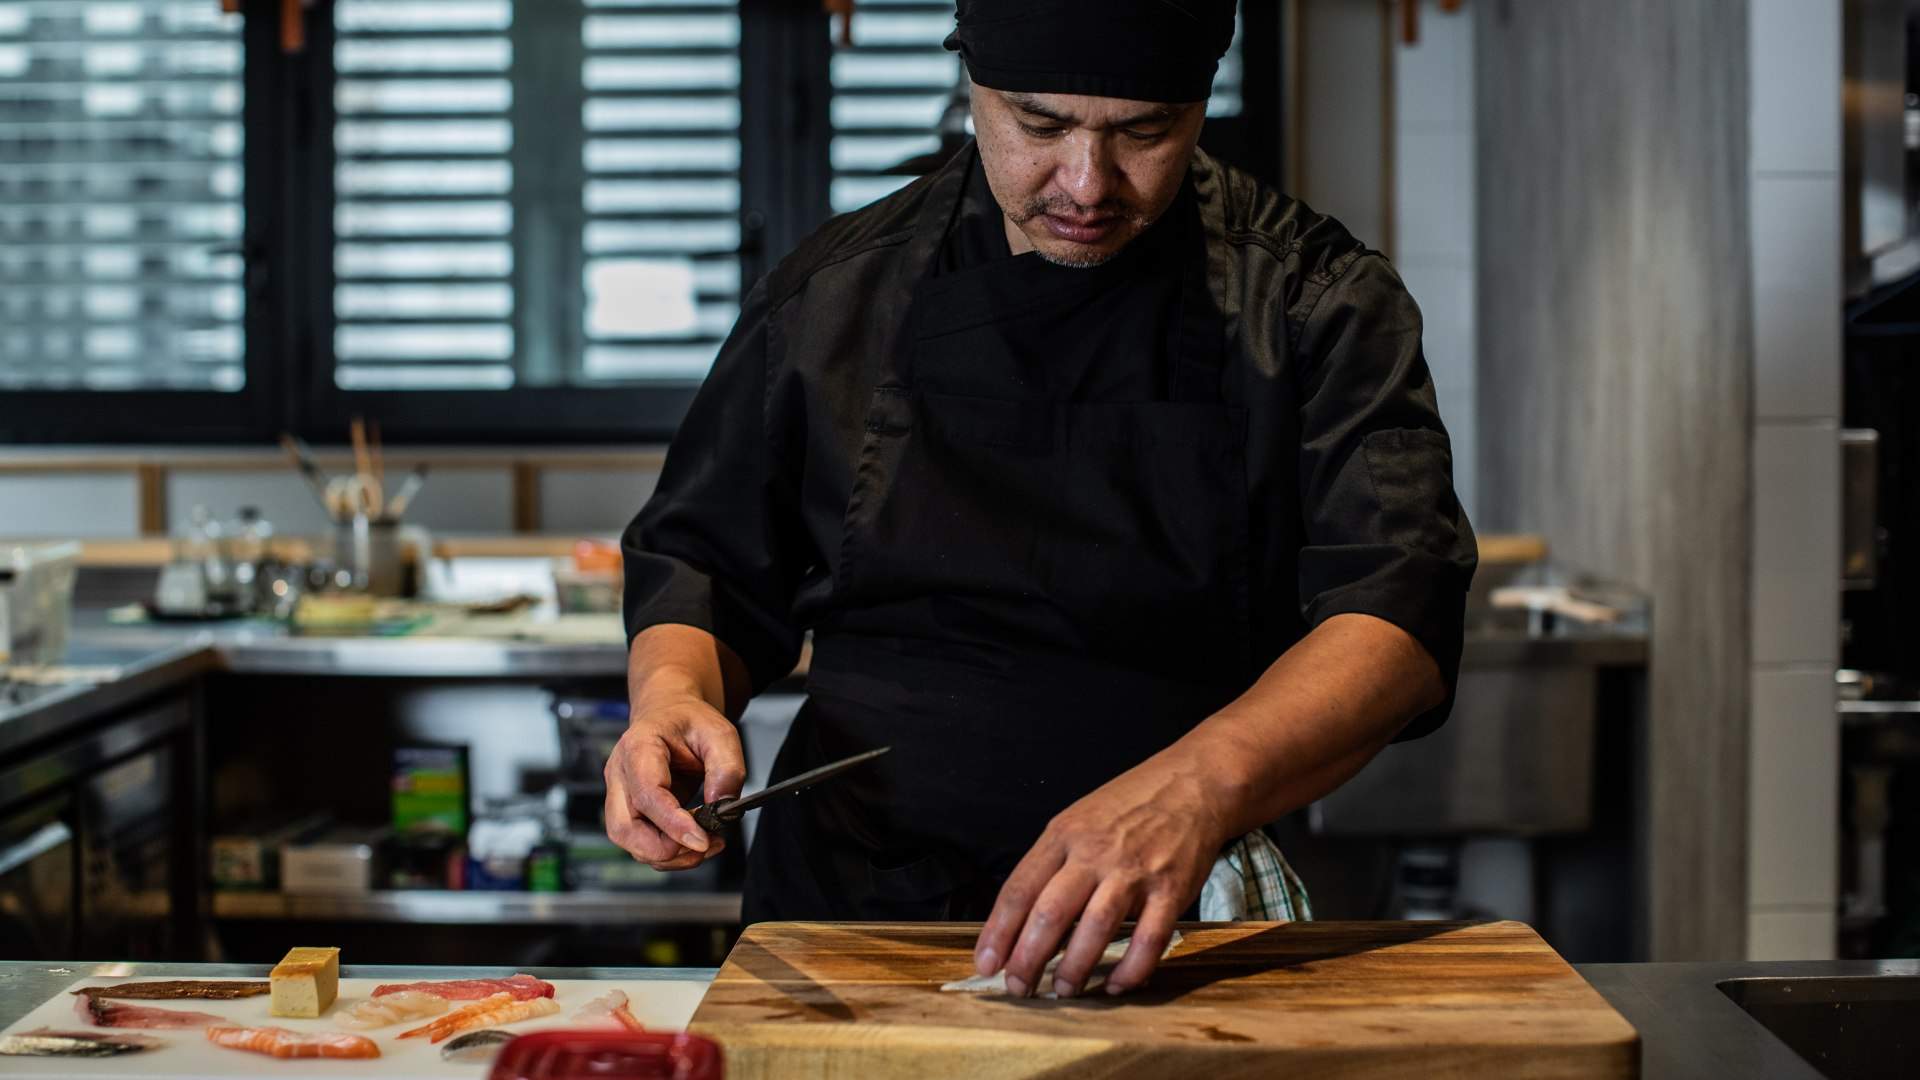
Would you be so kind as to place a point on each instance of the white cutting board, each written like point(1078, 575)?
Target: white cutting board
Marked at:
point(663, 1004)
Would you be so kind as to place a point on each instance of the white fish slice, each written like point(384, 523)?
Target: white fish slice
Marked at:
point(393, 1009)
point(996, 983)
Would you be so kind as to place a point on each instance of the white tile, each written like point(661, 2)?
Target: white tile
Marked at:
point(66, 505)
point(1444, 290)
point(1790, 935)
point(465, 501)
point(1793, 802)
point(280, 495)
point(1433, 78)
point(1796, 80)
point(592, 502)
point(1796, 543)
point(454, 500)
point(1433, 197)
point(1796, 296)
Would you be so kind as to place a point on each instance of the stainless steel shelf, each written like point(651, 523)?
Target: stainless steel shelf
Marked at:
point(427, 906)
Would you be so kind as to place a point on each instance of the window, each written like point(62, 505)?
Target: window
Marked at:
point(121, 210)
point(468, 220)
point(534, 194)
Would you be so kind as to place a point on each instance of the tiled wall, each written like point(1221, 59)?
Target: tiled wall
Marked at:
point(1794, 750)
point(1433, 234)
point(464, 500)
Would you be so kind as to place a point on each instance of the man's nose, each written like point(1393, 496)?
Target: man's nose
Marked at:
point(1088, 175)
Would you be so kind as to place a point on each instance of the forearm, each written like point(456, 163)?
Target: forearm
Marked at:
point(1312, 720)
point(673, 659)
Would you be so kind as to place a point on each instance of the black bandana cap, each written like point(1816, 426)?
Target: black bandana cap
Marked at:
point(1141, 50)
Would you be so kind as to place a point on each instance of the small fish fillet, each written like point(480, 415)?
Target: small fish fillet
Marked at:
point(281, 1043)
point(521, 987)
point(111, 1014)
point(46, 1042)
point(610, 1008)
point(394, 1008)
point(491, 1012)
point(476, 1047)
point(996, 983)
point(211, 989)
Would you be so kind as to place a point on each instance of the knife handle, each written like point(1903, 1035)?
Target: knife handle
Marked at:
point(713, 816)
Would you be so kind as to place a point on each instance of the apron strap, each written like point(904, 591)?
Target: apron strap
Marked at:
point(895, 305)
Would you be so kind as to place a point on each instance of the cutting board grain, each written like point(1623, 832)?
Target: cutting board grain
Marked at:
point(664, 1004)
point(1345, 999)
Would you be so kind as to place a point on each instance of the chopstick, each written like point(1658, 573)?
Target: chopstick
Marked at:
point(369, 502)
point(379, 479)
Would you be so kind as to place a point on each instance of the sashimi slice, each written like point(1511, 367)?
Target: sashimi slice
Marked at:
point(113, 1014)
point(393, 1009)
point(609, 1009)
point(281, 1043)
point(491, 1012)
point(521, 987)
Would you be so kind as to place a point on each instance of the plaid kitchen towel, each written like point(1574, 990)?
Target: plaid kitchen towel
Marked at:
point(1252, 882)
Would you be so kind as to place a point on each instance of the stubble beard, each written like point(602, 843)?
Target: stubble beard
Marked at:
point(1036, 207)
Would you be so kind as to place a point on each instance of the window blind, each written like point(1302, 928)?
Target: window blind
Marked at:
point(662, 187)
point(120, 196)
point(535, 193)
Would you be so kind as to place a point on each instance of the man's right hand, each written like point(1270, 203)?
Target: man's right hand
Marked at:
point(674, 732)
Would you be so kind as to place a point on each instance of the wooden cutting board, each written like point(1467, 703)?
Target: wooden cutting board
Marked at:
point(1352, 999)
point(663, 1004)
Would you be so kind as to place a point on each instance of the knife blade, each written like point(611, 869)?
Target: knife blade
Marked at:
point(715, 816)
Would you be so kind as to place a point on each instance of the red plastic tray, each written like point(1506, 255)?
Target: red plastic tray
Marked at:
point(608, 1055)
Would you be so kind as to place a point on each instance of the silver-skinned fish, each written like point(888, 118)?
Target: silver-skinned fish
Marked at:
point(45, 1042)
point(476, 1047)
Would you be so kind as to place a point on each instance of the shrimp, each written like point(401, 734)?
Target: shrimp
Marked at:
point(610, 1006)
point(281, 1043)
point(498, 1009)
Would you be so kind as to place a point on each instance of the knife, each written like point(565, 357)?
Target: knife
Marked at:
point(715, 816)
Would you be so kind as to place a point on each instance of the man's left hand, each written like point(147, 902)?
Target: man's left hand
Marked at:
point(1140, 845)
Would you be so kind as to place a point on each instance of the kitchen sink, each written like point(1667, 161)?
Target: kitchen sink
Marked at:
point(1855, 1027)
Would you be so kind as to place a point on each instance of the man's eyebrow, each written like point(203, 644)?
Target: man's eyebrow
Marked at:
point(1031, 105)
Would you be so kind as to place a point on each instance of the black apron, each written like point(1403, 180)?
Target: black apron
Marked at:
point(1085, 565)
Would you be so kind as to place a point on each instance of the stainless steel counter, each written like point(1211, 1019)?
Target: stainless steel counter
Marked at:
point(154, 656)
point(24, 985)
point(147, 658)
point(1690, 1028)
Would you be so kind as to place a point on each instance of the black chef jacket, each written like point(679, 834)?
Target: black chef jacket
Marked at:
point(1348, 502)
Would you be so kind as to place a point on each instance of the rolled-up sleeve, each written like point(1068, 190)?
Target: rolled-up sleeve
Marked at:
point(713, 547)
point(1384, 533)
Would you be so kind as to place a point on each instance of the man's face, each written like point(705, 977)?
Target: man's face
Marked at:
point(1078, 177)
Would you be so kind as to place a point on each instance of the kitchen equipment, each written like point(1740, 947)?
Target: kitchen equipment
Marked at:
point(663, 1004)
point(369, 550)
point(717, 815)
point(249, 857)
point(1357, 999)
point(341, 861)
point(36, 602)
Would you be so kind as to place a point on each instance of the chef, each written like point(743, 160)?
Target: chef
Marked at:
point(1110, 484)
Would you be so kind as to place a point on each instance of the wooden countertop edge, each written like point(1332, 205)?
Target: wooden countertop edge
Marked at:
point(158, 550)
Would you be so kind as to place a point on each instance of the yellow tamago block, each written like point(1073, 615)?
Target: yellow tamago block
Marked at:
point(305, 982)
